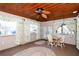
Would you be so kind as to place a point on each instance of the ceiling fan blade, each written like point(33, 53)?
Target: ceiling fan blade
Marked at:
point(33, 15)
point(44, 16)
point(46, 12)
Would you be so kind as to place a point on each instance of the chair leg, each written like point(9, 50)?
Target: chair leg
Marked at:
point(63, 45)
point(51, 45)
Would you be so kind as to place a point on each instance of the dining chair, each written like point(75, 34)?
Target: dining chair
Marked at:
point(50, 40)
point(60, 41)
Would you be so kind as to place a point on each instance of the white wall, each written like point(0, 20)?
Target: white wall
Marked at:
point(53, 25)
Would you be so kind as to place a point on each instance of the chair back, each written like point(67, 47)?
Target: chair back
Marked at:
point(61, 39)
point(50, 39)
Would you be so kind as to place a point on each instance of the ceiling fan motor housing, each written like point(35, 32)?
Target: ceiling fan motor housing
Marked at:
point(39, 10)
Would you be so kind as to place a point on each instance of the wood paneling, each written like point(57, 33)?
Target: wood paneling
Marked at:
point(58, 10)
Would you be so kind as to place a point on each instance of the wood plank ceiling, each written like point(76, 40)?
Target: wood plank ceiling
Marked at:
point(58, 10)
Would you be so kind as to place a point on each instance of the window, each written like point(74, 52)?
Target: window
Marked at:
point(33, 27)
point(7, 28)
point(63, 29)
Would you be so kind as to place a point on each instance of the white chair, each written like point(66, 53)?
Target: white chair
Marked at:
point(50, 40)
point(60, 41)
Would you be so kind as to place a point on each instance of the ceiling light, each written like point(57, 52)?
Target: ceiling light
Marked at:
point(75, 12)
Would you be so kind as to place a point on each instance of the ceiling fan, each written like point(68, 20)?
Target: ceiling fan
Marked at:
point(41, 12)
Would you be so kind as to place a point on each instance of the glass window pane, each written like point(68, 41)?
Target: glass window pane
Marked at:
point(64, 30)
point(7, 28)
